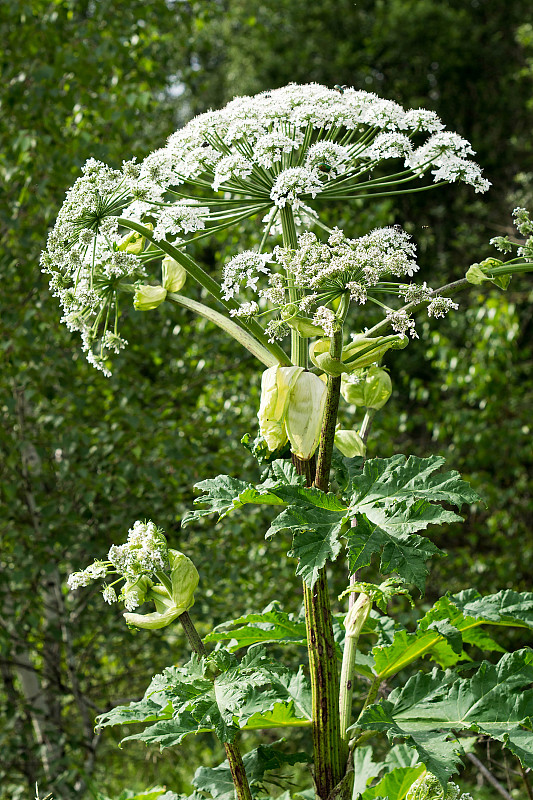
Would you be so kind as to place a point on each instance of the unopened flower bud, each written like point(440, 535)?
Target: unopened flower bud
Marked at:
point(133, 242)
point(428, 787)
point(184, 577)
point(371, 391)
point(174, 275)
point(276, 384)
point(304, 414)
point(357, 616)
point(148, 297)
point(349, 443)
point(475, 275)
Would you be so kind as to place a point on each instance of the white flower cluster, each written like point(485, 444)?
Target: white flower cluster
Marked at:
point(96, 570)
point(262, 155)
point(87, 260)
point(323, 271)
point(362, 262)
point(294, 128)
point(244, 268)
point(183, 217)
point(524, 225)
point(440, 306)
point(144, 553)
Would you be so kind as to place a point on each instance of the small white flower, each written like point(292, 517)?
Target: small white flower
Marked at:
point(401, 323)
point(414, 293)
point(244, 268)
point(229, 168)
point(440, 306)
point(109, 595)
point(292, 183)
point(328, 158)
point(327, 320)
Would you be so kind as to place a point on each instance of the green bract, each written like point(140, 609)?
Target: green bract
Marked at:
point(292, 407)
point(361, 352)
point(371, 391)
point(172, 598)
point(304, 414)
point(276, 385)
point(148, 297)
point(349, 443)
point(174, 274)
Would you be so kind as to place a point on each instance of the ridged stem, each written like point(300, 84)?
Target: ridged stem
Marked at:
point(238, 773)
point(290, 241)
point(327, 436)
point(328, 760)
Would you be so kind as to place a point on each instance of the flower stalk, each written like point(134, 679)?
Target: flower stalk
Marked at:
point(236, 765)
point(354, 622)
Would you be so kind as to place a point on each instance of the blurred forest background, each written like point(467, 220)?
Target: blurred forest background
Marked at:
point(83, 456)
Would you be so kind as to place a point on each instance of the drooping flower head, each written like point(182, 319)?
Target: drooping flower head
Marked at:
point(148, 571)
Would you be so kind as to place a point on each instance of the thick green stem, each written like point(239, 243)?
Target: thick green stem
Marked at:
point(192, 634)
point(328, 758)
point(238, 773)
point(367, 424)
point(290, 241)
point(327, 436)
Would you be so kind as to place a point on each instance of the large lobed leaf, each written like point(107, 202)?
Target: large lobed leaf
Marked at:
point(272, 625)
point(453, 621)
point(390, 500)
point(432, 708)
point(221, 694)
point(405, 555)
point(400, 478)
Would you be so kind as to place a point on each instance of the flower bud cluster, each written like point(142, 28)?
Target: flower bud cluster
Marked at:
point(144, 553)
point(139, 563)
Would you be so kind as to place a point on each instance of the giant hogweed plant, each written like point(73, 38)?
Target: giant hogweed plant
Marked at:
point(281, 157)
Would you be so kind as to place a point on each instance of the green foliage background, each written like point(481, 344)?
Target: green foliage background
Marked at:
point(84, 456)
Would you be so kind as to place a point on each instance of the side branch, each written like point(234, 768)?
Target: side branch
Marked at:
point(238, 773)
